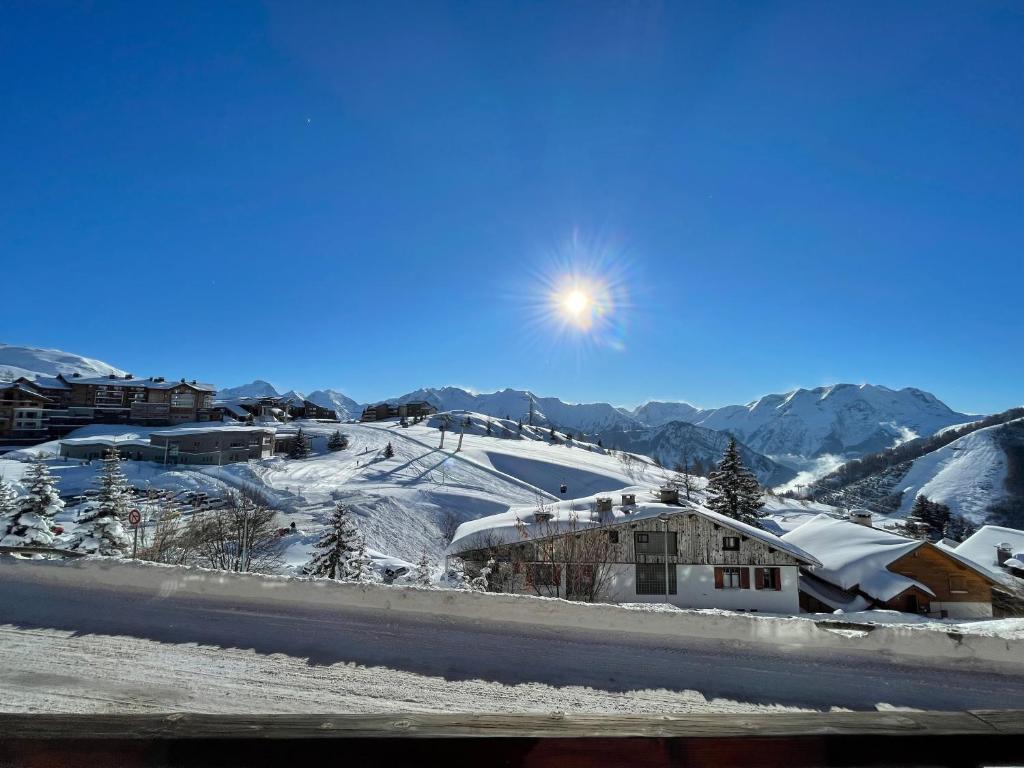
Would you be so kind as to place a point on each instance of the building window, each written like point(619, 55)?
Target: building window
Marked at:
point(768, 578)
point(109, 397)
point(542, 575)
point(183, 400)
point(653, 543)
point(732, 578)
point(650, 579)
point(613, 537)
point(579, 580)
point(731, 543)
point(957, 584)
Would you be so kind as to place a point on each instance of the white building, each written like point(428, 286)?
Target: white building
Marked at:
point(608, 549)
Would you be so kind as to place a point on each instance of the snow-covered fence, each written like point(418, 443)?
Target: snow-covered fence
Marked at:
point(910, 643)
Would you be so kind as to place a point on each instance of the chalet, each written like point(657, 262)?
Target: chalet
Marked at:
point(1000, 552)
point(22, 415)
point(187, 445)
point(865, 567)
point(73, 401)
point(267, 409)
point(304, 409)
point(647, 551)
point(411, 410)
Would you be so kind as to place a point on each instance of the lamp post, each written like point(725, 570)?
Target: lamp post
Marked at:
point(664, 538)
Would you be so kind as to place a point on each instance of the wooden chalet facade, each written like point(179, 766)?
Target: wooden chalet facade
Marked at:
point(412, 410)
point(865, 567)
point(694, 558)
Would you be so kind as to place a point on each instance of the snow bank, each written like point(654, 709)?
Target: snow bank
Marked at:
point(923, 643)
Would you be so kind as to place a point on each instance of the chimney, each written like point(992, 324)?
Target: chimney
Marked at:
point(667, 495)
point(861, 517)
point(628, 499)
point(127, 376)
point(1004, 552)
point(604, 504)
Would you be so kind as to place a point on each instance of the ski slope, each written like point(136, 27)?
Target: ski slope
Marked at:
point(967, 475)
point(401, 503)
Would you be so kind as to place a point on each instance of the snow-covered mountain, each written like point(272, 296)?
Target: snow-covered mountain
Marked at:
point(844, 419)
point(977, 476)
point(655, 413)
point(257, 388)
point(344, 406)
point(514, 404)
point(31, 362)
point(676, 441)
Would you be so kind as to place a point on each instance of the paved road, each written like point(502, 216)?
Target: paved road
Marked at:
point(97, 650)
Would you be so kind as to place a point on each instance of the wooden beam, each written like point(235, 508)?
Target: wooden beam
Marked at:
point(442, 725)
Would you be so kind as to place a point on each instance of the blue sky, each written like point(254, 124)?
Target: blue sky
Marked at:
point(378, 197)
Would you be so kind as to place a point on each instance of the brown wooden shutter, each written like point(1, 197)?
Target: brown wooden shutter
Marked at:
point(759, 578)
point(744, 578)
point(778, 579)
point(718, 578)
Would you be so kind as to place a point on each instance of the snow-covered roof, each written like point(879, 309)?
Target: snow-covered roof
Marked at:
point(50, 382)
point(856, 556)
point(206, 430)
point(831, 595)
point(23, 389)
point(980, 548)
point(108, 441)
point(148, 383)
point(507, 527)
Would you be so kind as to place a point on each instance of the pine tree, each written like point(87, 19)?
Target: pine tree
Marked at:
point(489, 427)
point(336, 547)
point(360, 566)
point(337, 442)
point(733, 490)
point(8, 497)
point(423, 568)
point(389, 451)
point(30, 524)
point(299, 448)
point(101, 529)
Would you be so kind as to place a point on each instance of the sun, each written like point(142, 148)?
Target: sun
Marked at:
point(575, 304)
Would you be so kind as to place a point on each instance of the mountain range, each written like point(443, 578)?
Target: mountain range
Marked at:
point(776, 431)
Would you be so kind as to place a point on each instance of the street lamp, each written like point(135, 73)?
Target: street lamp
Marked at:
point(664, 538)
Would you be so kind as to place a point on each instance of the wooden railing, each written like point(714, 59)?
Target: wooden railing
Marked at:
point(789, 739)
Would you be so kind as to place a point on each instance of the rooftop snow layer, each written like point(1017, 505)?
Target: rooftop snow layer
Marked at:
point(507, 527)
point(980, 548)
point(856, 556)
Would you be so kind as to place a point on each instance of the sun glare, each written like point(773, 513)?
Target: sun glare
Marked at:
point(575, 303)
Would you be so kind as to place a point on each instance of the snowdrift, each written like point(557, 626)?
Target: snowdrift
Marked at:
point(989, 643)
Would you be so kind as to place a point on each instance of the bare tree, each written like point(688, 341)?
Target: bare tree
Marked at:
point(239, 537)
point(448, 525)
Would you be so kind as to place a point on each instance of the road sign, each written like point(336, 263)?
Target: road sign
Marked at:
point(134, 517)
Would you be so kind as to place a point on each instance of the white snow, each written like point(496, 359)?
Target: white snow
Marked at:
point(32, 362)
point(83, 637)
point(855, 555)
point(980, 548)
point(967, 475)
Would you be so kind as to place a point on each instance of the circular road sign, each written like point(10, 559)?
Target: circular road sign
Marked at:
point(134, 517)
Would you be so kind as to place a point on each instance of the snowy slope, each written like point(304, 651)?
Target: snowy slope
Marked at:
point(514, 404)
point(655, 413)
point(31, 362)
point(257, 388)
point(344, 406)
point(967, 475)
point(401, 503)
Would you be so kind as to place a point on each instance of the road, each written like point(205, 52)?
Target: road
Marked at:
point(96, 650)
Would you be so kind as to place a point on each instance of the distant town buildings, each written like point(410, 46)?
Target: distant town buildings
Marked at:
point(411, 410)
point(185, 445)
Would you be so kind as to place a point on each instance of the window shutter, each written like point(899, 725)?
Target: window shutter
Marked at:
point(759, 578)
point(744, 578)
point(778, 579)
point(718, 578)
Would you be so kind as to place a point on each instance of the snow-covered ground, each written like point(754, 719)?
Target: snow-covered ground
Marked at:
point(111, 637)
point(400, 503)
point(967, 475)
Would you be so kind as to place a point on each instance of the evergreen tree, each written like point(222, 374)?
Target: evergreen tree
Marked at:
point(489, 428)
point(389, 452)
point(30, 522)
point(360, 566)
point(8, 497)
point(423, 571)
point(299, 448)
point(927, 519)
point(733, 490)
point(101, 529)
point(339, 544)
point(337, 442)
point(599, 443)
